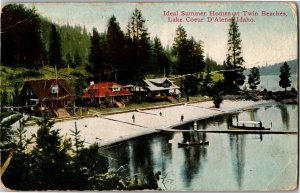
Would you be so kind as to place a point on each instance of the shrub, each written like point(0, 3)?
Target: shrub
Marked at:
point(217, 100)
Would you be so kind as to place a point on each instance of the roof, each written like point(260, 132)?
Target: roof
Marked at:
point(102, 89)
point(159, 80)
point(249, 122)
point(157, 84)
point(42, 88)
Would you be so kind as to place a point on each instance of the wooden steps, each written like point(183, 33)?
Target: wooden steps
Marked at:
point(120, 104)
point(61, 113)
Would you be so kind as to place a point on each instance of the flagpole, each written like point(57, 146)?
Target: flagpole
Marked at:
point(56, 86)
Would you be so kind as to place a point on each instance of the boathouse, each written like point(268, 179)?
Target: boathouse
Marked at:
point(105, 94)
point(50, 96)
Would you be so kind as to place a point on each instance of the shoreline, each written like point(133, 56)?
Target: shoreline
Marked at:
point(114, 128)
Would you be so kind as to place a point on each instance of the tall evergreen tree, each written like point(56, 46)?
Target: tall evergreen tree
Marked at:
point(189, 53)
point(21, 43)
point(96, 57)
point(161, 63)
point(140, 44)
point(196, 56)
point(55, 51)
point(234, 62)
point(180, 47)
point(115, 50)
point(254, 78)
point(284, 76)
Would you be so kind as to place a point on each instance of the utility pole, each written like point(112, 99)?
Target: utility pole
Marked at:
point(139, 62)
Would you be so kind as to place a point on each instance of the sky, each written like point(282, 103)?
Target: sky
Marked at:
point(267, 40)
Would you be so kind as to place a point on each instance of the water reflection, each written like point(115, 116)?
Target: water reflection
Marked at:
point(193, 137)
point(139, 162)
point(194, 158)
point(285, 117)
point(253, 115)
point(237, 148)
point(235, 162)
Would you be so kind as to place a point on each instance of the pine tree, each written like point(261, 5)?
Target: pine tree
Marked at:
point(20, 36)
point(189, 53)
point(96, 57)
point(80, 85)
point(55, 50)
point(79, 144)
point(180, 47)
point(196, 56)
point(234, 62)
point(140, 44)
point(161, 63)
point(284, 76)
point(115, 50)
point(254, 78)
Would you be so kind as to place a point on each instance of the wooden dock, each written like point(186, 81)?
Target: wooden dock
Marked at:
point(233, 131)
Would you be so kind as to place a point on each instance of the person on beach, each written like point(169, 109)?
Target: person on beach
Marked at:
point(160, 113)
point(133, 118)
point(181, 119)
point(260, 124)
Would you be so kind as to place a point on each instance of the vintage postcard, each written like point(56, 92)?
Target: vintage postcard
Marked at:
point(159, 96)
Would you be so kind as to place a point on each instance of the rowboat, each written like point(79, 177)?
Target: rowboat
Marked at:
point(247, 125)
point(194, 143)
point(250, 109)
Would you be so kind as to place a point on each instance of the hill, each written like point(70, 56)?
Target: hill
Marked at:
point(274, 69)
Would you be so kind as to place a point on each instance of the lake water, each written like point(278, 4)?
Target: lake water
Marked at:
point(272, 83)
point(230, 162)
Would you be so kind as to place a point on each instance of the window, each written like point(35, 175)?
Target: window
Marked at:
point(54, 89)
point(115, 89)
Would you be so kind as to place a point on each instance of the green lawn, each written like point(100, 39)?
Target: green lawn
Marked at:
point(11, 77)
point(134, 106)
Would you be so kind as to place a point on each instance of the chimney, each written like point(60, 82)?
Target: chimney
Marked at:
point(92, 83)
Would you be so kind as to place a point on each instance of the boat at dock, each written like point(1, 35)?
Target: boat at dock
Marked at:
point(249, 109)
point(192, 143)
point(247, 125)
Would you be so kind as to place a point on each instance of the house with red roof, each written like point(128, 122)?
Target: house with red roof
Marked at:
point(50, 96)
point(107, 94)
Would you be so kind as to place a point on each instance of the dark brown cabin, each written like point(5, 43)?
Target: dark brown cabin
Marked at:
point(50, 96)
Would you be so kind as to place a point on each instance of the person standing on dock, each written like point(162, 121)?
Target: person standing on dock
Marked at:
point(260, 124)
point(182, 117)
point(133, 118)
point(160, 113)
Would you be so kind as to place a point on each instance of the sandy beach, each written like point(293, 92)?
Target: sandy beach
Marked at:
point(113, 128)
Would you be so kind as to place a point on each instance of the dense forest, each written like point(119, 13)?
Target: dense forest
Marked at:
point(113, 55)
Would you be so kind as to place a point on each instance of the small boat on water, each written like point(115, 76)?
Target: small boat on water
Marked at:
point(250, 109)
point(247, 125)
point(192, 143)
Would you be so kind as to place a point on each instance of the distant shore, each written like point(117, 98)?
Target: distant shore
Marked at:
point(113, 128)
